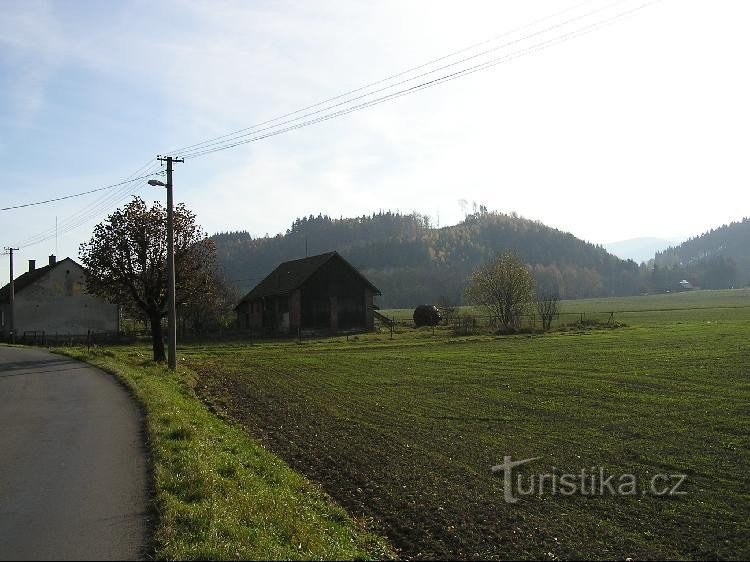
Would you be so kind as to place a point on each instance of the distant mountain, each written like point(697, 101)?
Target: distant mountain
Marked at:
point(716, 259)
point(640, 249)
point(411, 262)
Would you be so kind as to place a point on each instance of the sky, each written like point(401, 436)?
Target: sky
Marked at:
point(638, 128)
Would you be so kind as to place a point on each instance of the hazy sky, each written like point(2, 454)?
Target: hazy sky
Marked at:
point(639, 128)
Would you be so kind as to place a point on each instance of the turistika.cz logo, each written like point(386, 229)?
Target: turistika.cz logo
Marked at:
point(587, 482)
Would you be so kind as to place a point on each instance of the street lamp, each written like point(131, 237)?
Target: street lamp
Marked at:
point(172, 317)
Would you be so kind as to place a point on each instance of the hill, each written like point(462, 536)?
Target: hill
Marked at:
point(411, 262)
point(717, 259)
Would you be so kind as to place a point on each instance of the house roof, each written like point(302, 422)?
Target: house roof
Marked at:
point(26, 279)
point(290, 275)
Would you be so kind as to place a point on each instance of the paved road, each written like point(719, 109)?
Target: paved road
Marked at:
point(73, 476)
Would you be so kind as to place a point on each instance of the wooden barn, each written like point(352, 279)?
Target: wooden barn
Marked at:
point(319, 293)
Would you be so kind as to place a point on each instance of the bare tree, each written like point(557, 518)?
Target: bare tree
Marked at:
point(126, 262)
point(505, 286)
point(448, 309)
point(547, 305)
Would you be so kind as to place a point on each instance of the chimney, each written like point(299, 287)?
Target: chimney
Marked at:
point(52, 259)
point(32, 265)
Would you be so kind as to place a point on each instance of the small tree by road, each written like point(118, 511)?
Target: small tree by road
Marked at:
point(126, 262)
point(505, 287)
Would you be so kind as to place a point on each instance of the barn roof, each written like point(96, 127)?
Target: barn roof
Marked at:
point(23, 281)
point(290, 275)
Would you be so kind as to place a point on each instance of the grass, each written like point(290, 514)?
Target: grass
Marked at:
point(405, 431)
point(218, 493)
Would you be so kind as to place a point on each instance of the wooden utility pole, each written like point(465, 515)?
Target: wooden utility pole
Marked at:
point(172, 317)
point(12, 298)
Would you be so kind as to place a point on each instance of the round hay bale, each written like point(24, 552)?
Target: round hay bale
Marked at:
point(426, 315)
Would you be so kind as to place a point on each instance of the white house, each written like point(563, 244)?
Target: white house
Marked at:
point(52, 300)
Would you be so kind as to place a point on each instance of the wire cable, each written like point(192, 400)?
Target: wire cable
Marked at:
point(381, 81)
point(431, 83)
point(232, 137)
point(64, 197)
point(94, 209)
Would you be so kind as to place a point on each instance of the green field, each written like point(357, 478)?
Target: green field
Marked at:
point(403, 432)
point(688, 306)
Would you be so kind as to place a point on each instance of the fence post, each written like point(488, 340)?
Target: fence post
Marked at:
point(392, 322)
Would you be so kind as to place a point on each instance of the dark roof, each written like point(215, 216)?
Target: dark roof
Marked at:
point(23, 281)
point(291, 274)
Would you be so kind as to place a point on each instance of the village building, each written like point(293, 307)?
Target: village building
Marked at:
point(52, 302)
point(686, 285)
point(322, 293)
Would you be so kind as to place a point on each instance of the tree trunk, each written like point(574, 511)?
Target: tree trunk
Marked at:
point(157, 338)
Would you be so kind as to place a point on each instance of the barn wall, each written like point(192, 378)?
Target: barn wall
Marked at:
point(334, 298)
point(369, 302)
point(249, 316)
point(295, 311)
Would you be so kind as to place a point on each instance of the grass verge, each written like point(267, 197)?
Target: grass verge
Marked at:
point(219, 494)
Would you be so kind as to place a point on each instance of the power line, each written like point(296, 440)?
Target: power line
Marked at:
point(74, 195)
point(233, 137)
point(79, 221)
point(431, 83)
point(94, 209)
point(381, 81)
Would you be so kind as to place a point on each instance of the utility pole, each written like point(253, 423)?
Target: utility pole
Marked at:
point(12, 299)
point(172, 318)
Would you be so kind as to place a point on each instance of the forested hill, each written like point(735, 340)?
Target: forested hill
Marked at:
point(716, 259)
point(412, 262)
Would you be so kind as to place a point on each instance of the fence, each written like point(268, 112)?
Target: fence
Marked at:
point(43, 338)
point(468, 323)
point(457, 321)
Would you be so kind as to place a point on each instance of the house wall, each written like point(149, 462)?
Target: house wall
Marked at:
point(59, 304)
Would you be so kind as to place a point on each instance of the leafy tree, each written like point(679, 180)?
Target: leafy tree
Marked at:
point(505, 286)
point(126, 262)
point(212, 312)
